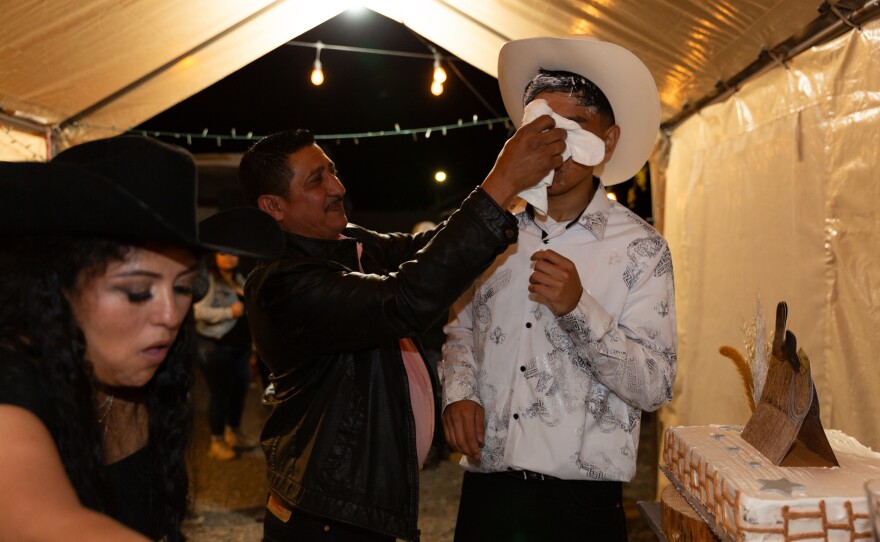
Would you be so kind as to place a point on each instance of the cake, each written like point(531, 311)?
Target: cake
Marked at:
point(750, 499)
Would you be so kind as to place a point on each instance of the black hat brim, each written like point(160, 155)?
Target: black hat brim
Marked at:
point(56, 198)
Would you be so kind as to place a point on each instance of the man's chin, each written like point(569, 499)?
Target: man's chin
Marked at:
point(340, 220)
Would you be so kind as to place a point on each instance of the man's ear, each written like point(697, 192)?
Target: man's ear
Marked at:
point(612, 136)
point(270, 205)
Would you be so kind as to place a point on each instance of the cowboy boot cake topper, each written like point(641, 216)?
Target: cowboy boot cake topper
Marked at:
point(785, 425)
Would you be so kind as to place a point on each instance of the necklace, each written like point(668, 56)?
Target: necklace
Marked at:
point(104, 413)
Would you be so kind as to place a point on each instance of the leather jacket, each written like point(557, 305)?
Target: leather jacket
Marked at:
point(340, 441)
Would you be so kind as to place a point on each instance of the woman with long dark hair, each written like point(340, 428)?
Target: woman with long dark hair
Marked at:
point(99, 262)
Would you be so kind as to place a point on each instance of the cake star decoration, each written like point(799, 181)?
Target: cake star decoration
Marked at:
point(783, 486)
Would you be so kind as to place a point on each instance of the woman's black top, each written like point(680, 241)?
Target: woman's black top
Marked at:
point(135, 496)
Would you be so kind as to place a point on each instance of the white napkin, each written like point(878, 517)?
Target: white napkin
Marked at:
point(582, 146)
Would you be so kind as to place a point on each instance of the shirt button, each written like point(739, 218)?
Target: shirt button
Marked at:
point(522, 368)
point(516, 416)
point(546, 241)
point(528, 324)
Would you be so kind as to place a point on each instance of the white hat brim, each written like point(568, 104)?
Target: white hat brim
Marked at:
point(622, 77)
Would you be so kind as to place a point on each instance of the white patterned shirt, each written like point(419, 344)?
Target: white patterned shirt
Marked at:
point(563, 396)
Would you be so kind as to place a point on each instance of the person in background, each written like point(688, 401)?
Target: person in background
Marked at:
point(554, 352)
point(335, 319)
point(226, 354)
point(99, 264)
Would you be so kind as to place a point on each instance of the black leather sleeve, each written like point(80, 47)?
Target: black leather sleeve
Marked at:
point(319, 306)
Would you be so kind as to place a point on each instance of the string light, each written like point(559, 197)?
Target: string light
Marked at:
point(440, 176)
point(317, 71)
point(249, 136)
point(439, 76)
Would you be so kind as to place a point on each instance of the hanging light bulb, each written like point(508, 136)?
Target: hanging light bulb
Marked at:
point(317, 71)
point(439, 72)
point(439, 75)
point(317, 74)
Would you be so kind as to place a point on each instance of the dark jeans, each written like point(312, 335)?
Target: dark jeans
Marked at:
point(501, 507)
point(302, 527)
point(226, 372)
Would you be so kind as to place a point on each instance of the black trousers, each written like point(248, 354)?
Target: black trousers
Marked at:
point(226, 372)
point(504, 508)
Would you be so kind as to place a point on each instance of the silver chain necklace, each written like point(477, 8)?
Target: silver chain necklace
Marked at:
point(104, 413)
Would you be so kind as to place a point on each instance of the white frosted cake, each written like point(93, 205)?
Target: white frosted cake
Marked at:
point(753, 500)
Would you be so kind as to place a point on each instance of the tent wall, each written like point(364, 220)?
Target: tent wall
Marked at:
point(774, 193)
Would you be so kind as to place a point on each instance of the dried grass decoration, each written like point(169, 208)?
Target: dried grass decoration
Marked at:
point(752, 367)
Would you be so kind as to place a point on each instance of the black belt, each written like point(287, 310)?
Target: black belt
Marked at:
point(529, 475)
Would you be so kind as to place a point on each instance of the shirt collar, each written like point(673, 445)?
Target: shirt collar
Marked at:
point(594, 218)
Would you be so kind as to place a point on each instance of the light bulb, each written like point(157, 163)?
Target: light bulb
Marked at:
point(436, 88)
point(440, 176)
point(317, 74)
point(439, 72)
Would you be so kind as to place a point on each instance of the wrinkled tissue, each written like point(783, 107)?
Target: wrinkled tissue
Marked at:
point(582, 146)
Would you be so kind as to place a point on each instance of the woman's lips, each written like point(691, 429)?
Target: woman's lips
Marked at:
point(157, 352)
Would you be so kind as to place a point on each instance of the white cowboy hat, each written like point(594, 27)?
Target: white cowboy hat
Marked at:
point(621, 76)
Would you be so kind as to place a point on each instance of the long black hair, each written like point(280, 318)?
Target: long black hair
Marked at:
point(36, 321)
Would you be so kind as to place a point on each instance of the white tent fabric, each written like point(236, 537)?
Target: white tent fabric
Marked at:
point(770, 192)
point(775, 192)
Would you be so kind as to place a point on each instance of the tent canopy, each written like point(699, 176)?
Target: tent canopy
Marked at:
point(77, 70)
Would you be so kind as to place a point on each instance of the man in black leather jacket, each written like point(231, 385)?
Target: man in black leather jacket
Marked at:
point(332, 319)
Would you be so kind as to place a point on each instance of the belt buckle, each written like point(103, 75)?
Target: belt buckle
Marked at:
point(530, 475)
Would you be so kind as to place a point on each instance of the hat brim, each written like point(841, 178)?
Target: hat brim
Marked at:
point(57, 198)
point(245, 231)
point(622, 77)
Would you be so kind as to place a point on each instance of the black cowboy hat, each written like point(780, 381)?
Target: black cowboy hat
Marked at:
point(128, 187)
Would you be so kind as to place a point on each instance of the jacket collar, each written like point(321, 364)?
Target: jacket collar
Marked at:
point(342, 251)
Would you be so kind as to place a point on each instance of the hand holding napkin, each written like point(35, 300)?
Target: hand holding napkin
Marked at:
point(582, 146)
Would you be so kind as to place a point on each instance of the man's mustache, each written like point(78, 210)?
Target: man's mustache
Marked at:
point(336, 199)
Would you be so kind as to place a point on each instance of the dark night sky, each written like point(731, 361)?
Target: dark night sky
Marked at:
point(362, 92)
